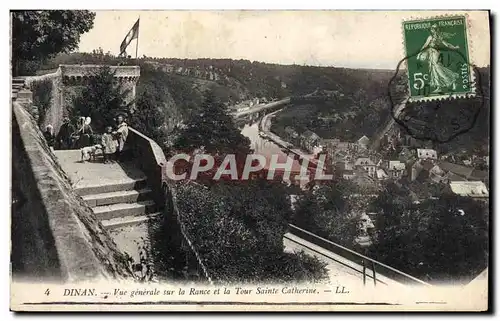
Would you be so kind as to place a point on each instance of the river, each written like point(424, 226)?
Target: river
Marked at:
point(268, 148)
point(259, 144)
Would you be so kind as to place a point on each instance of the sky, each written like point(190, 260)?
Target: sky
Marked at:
point(356, 39)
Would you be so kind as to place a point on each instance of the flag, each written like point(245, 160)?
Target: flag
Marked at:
point(131, 35)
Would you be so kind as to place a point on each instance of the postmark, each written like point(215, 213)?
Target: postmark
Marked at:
point(438, 58)
point(439, 119)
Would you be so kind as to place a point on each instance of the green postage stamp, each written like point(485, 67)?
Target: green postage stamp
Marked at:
point(437, 57)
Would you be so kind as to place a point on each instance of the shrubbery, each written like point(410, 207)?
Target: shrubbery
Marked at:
point(434, 240)
point(238, 230)
point(42, 98)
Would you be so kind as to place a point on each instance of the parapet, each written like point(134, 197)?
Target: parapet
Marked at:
point(76, 73)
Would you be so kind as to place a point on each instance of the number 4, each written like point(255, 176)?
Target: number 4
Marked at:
point(47, 292)
point(418, 79)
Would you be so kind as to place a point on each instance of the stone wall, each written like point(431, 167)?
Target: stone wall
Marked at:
point(77, 75)
point(55, 234)
point(55, 111)
point(68, 79)
point(152, 161)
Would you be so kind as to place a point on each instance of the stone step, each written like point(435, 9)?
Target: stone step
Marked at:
point(132, 184)
point(107, 212)
point(129, 220)
point(131, 196)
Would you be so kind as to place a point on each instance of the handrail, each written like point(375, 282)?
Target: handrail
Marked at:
point(185, 236)
point(353, 256)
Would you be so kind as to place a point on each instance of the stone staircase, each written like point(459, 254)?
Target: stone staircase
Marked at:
point(17, 85)
point(120, 204)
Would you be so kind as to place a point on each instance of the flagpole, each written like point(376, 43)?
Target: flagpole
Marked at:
point(137, 43)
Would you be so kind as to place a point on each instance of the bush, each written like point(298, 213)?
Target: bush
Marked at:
point(238, 230)
point(42, 97)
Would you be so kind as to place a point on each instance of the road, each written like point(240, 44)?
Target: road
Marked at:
point(378, 136)
point(340, 270)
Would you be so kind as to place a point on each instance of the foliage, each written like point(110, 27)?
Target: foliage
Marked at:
point(153, 106)
point(238, 229)
point(101, 99)
point(212, 129)
point(42, 96)
point(38, 35)
point(326, 210)
point(435, 240)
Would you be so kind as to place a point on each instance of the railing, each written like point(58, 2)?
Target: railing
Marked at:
point(357, 258)
point(171, 195)
point(152, 161)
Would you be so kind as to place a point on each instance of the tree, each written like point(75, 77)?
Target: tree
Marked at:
point(149, 118)
point(101, 99)
point(326, 211)
point(38, 35)
point(238, 229)
point(436, 240)
point(213, 129)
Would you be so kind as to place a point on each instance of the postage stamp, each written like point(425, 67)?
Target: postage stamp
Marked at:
point(438, 58)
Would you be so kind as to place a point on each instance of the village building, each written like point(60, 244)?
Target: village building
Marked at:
point(464, 172)
point(381, 174)
point(425, 153)
point(474, 189)
point(309, 140)
point(291, 134)
point(363, 142)
point(367, 165)
point(421, 170)
point(396, 169)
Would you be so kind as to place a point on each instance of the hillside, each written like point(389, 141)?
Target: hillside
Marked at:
point(357, 98)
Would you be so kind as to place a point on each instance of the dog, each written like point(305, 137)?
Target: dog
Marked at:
point(89, 152)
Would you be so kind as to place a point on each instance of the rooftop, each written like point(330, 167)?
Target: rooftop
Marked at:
point(469, 188)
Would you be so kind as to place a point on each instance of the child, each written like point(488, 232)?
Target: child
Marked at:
point(108, 144)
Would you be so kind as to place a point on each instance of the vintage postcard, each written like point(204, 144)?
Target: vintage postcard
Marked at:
point(250, 160)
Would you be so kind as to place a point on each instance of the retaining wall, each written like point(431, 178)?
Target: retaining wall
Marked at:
point(55, 235)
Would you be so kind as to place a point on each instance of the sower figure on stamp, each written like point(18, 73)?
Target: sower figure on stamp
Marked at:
point(121, 134)
point(440, 76)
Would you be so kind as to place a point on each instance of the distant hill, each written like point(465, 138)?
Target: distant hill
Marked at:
point(355, 104)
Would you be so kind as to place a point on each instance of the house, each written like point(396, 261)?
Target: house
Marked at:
point(309, 140)
point(406, 154)
point(425, 153)
point(344, 169)
point(478, 175)
point(291, 133)
point(348, 174)
point(363, 142)
point(421, 169)
point(467, 173)
point(381, 174)
point(365, 229)
point(396, 169)
point(367, 165)
point(334, 146)
point(437, 175)
point(475, 189)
